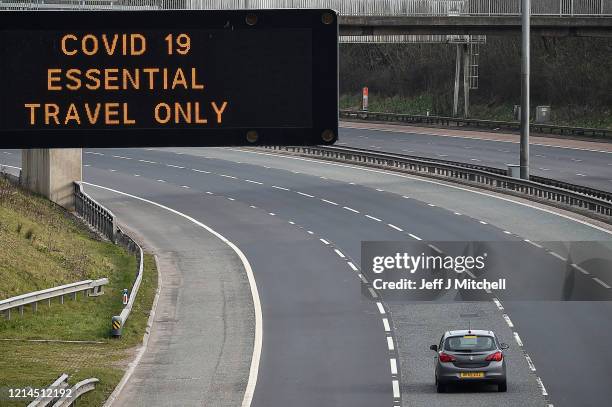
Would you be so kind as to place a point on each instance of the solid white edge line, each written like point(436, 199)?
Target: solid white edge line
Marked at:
point(447, 184)
point(145, 342)
point(254, 370)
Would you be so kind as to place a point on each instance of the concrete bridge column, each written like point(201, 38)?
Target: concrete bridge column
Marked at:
point(51, 172)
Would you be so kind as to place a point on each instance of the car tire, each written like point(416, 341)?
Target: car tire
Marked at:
point(502, 387)
point(440, 388)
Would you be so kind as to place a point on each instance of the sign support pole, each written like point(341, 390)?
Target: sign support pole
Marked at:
point(525, 22)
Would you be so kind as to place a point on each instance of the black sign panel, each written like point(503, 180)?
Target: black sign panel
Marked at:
point(168, 78)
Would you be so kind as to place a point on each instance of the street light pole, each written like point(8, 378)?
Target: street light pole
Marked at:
point(525, 21)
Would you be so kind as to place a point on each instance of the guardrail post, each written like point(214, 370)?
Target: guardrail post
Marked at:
point(8, 314)
point(34, 306)
point(21, 310)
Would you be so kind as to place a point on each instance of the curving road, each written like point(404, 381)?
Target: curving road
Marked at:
point(301, 222)
point(579, 162)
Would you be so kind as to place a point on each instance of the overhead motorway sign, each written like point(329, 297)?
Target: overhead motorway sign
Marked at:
point(168, 78)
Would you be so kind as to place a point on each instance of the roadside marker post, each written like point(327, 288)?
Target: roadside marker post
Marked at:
point(364, 103)
point(125, 296)
point(116, 326)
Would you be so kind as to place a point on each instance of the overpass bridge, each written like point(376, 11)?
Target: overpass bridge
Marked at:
point(396, 17)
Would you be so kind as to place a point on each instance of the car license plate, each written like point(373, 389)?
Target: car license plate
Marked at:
point(471, 374)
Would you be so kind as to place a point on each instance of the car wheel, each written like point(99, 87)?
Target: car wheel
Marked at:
point(440, 388)
point(502, 387)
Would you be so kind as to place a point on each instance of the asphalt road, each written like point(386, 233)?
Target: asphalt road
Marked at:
point(199, 350)
point(325, 342)
point(578, 166)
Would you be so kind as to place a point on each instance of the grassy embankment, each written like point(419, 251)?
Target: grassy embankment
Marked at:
point(42, 246)
point(567, 116)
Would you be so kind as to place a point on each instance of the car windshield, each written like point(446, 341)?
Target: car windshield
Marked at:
point(469, 343)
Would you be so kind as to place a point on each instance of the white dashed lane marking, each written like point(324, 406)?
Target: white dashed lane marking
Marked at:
point(393, 363)
point(350, 209)
point(329, 202)
point(557, 255)
point(518, 340)
point(386, 324)
point(351, 265)
point(372, 292)
point(373, 218)
point(339, 253)
point(583, 271)
point(324, 241)
point(414, 236)
point(202, 171)
point(253, 182)
point(508, 321)
point(390, 343)
point(305, 194)
point(396, 389)
point(381, 309)
point(530, 363)
point(281, 188)
point(601, 282)
point(392, 226)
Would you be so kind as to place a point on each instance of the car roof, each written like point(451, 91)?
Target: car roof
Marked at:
point(460, 332)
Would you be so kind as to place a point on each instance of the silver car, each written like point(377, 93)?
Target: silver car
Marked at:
point(470, 356)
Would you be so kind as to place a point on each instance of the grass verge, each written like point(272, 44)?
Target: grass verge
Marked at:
point(575, 116)
point(42, 246)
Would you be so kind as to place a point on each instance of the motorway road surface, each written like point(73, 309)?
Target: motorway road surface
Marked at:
point(587, 163)
point(300, 223)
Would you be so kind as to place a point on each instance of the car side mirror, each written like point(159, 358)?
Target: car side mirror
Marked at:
point(434, 348)
point(504, 346)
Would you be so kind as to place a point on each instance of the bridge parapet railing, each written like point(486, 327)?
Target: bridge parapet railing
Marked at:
point(344, 7)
